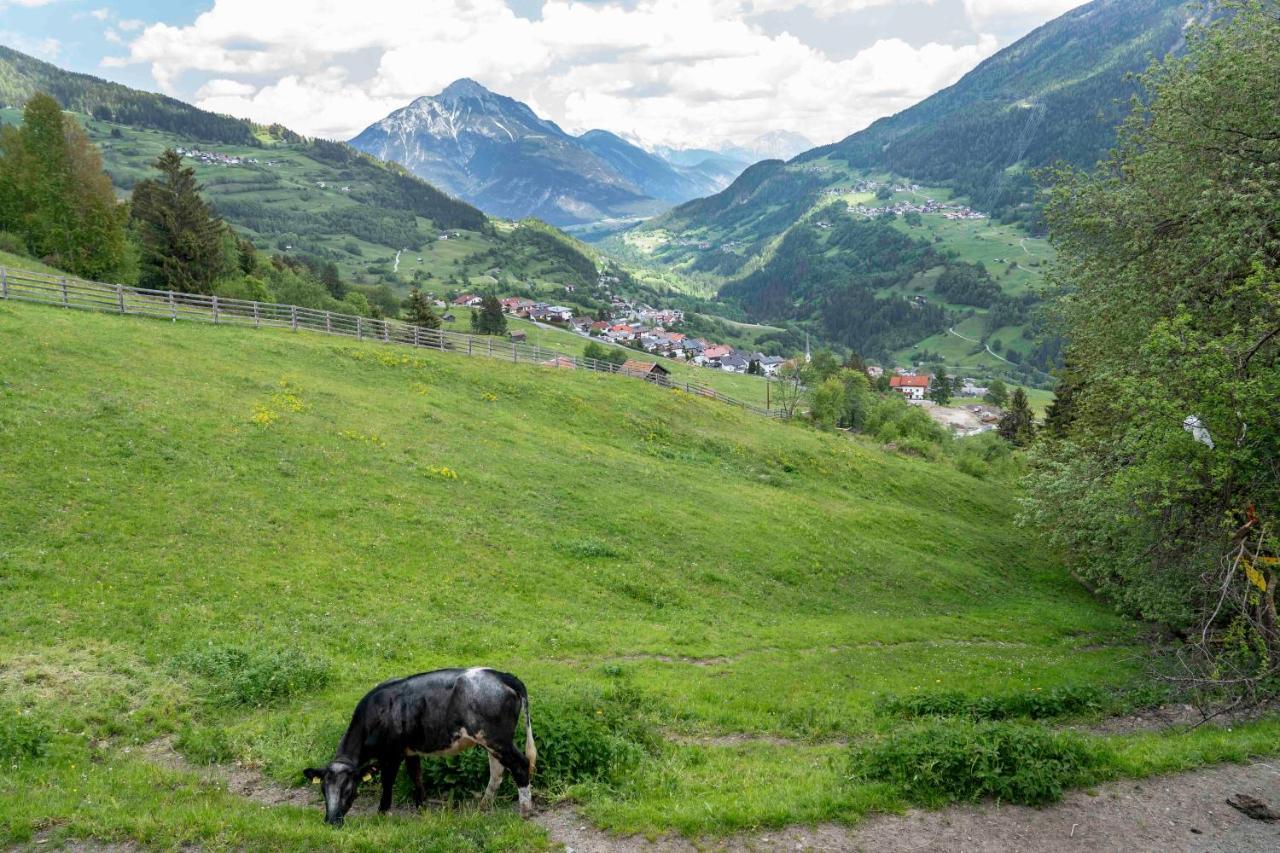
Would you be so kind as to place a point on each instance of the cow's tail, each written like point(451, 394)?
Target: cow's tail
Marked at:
point(530, 748)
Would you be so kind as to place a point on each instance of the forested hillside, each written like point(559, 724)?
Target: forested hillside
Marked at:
point(21, 76)
point(1057, 94)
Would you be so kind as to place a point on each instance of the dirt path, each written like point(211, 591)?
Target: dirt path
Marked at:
point(1183, 812)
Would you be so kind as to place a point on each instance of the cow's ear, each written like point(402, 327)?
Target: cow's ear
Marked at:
point(313, 775)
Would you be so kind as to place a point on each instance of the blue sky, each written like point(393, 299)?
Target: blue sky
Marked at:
point(675, 72)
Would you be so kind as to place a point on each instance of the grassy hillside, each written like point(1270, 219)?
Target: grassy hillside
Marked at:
point(224, 536)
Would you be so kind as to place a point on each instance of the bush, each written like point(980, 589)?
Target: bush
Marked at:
point(939, 762)
point(1031, 704)
point(12, 243)
point(22, 736)
point(251, 676)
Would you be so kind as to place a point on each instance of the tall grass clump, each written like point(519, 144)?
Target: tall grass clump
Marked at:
point(231, 675)
point(22, 736)
point(1066, 701)
point(939, 762)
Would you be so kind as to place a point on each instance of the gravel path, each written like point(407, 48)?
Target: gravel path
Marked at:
point(1183, 812)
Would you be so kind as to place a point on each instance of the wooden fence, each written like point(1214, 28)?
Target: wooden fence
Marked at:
point(69, 292)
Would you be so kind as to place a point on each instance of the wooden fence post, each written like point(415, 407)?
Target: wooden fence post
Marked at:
point(359, 329)
point(214, 306)
point(120, 297)
point(385, 336)
point(255, 313)
point(470, 341)
point(515, 356)
point(490, 347)
point(293, 317)
point(173, 307)
point(416, 330)
point(64, 291)
point(4, 284)
point(328, 322)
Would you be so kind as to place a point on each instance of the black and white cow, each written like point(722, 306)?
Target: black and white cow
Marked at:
point(433, 713)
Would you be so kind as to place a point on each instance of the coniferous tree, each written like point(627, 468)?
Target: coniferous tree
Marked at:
point(489, 320)
point(1017, 426)
point(181, 239)
point(418, 311)
point(1061, 412)
point(940, 387)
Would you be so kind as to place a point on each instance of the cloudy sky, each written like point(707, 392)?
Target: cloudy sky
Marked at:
point(690, 73)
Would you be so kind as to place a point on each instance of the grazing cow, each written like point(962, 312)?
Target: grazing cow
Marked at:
point(433, 713)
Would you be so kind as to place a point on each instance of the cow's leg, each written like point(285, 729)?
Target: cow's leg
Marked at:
point(518, 765)
point(390, 767)
point(495, 779)
point(413, 764)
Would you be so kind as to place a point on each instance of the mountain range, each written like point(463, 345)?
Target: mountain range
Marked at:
point(499, 155)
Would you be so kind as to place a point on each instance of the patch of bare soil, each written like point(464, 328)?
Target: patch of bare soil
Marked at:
point(237, 779)
point(1183, 812)
point(739, 738)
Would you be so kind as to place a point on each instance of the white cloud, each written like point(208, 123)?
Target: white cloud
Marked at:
point(676, 72)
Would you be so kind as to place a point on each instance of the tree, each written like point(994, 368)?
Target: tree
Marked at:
point(789, 386)
point(997, 394)
point(754, 368)
point(180, 238)
point(1017, 425)
point(418, 311)
point(940, 387)
point(1060, 413)
point(489, 319)
point(1163, 484)
point(603, 354)
point(54, 193)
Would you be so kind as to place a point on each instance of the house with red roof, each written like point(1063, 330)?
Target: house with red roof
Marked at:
point(911, 387)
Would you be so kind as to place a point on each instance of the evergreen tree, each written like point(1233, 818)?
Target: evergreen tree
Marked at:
point(490, 319)
point(1061, 412)
point(418, 311)
point(940, 387)
point(754, 368)
point(1017, 426)
point(181, 239)
point(997, 394)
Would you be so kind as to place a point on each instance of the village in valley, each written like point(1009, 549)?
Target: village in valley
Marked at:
point(651, 330)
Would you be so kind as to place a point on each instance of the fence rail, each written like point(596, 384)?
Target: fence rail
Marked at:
point(70, 292)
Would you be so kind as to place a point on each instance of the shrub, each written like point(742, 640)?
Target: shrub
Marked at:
point(252, 676)
point(22, 736)
point(12, 243)
point(939, 762)
point(1031, 704)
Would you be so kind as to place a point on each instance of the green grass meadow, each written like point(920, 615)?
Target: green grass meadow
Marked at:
point(340, 513)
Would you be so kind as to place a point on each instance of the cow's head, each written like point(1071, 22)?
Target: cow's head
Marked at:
point(340, 782)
